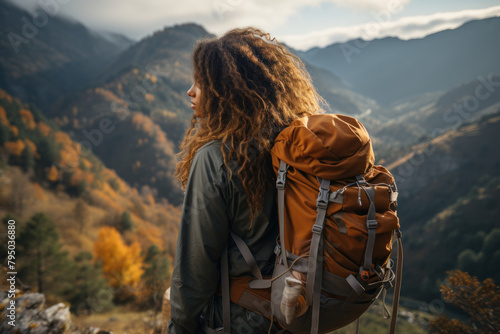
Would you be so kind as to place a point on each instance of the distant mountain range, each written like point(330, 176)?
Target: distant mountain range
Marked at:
point(431, 106)
point(389, 69)
point(44, 60)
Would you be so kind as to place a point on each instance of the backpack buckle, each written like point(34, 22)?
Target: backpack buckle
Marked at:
point(324, 195)
point(277, 250)
point(281, 180)
point(317, 229)
point(281, 177)
point(371, 224)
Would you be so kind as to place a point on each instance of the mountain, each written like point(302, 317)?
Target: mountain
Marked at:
point(143, 94)
point(449, 204)
point(143, 91)
point(389, 69)
point(429, 115)
point(43, 57)
point(43, 170)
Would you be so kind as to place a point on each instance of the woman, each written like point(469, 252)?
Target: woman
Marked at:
point(246, 89)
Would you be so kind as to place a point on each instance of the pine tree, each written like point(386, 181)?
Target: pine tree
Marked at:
point(4, 133)
point(90, 293)
point(49, 151)
point(155, 278)
point(27, 159)
point(126, 223)
point(43, 264)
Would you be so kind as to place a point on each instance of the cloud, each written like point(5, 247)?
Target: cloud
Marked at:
point(137, 19)
point(140, 18)
point(383, 26)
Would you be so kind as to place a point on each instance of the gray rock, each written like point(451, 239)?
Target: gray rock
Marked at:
point(58, 318)
point(30, 318)
point(30, 301)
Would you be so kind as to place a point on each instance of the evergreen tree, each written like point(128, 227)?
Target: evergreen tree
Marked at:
point(49, 152)
point(155, 278)
point(27, 159)
point(90, 292)
point(126, 223)
point(43, 263)
point(4, 133)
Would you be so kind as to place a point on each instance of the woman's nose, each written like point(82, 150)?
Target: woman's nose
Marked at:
point(190, 92)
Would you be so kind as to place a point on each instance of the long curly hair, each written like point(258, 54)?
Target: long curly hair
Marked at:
point(252, 87)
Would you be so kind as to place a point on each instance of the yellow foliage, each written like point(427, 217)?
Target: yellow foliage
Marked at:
point(4, 95)
point(44, 128)
point(106, 94)
point(135, 71)
point(28, 118)
point(79, 176)
point(63, 138)
point(3, 116)
point(53, 174)
point(15, 130)
point(151, 199)
point(99, 198)
point(122, 265)
point(15, 147)
point(143, 123)
point(32, 147)
point(69, 157)
point(150, 97)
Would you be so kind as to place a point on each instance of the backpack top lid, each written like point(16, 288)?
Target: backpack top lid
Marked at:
point(328, 146)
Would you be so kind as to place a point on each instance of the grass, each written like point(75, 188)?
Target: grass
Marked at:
point(121, 321)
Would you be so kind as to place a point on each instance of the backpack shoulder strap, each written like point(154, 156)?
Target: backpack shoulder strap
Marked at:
point(225, 287)
point(397, 288)
point(247, 255)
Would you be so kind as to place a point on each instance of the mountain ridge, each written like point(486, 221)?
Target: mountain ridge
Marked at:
point(377, 68)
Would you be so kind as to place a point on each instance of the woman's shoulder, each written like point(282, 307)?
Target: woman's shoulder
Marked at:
point(210, 152)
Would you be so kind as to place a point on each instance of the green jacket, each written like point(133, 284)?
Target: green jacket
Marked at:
point(214, 203)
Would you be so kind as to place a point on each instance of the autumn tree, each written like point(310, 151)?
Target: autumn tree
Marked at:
point(122, 265)
point(43, 264)
point(480, 301)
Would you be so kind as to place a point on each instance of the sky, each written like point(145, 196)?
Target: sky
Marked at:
point(302, 24)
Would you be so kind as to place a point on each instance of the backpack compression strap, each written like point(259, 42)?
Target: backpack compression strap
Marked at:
point(397, 288)
point(315, 269)
point(280, 185)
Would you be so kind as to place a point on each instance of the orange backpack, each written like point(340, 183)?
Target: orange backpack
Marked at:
point(337, 216)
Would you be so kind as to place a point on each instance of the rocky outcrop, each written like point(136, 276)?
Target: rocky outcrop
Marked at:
point(31, 317)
